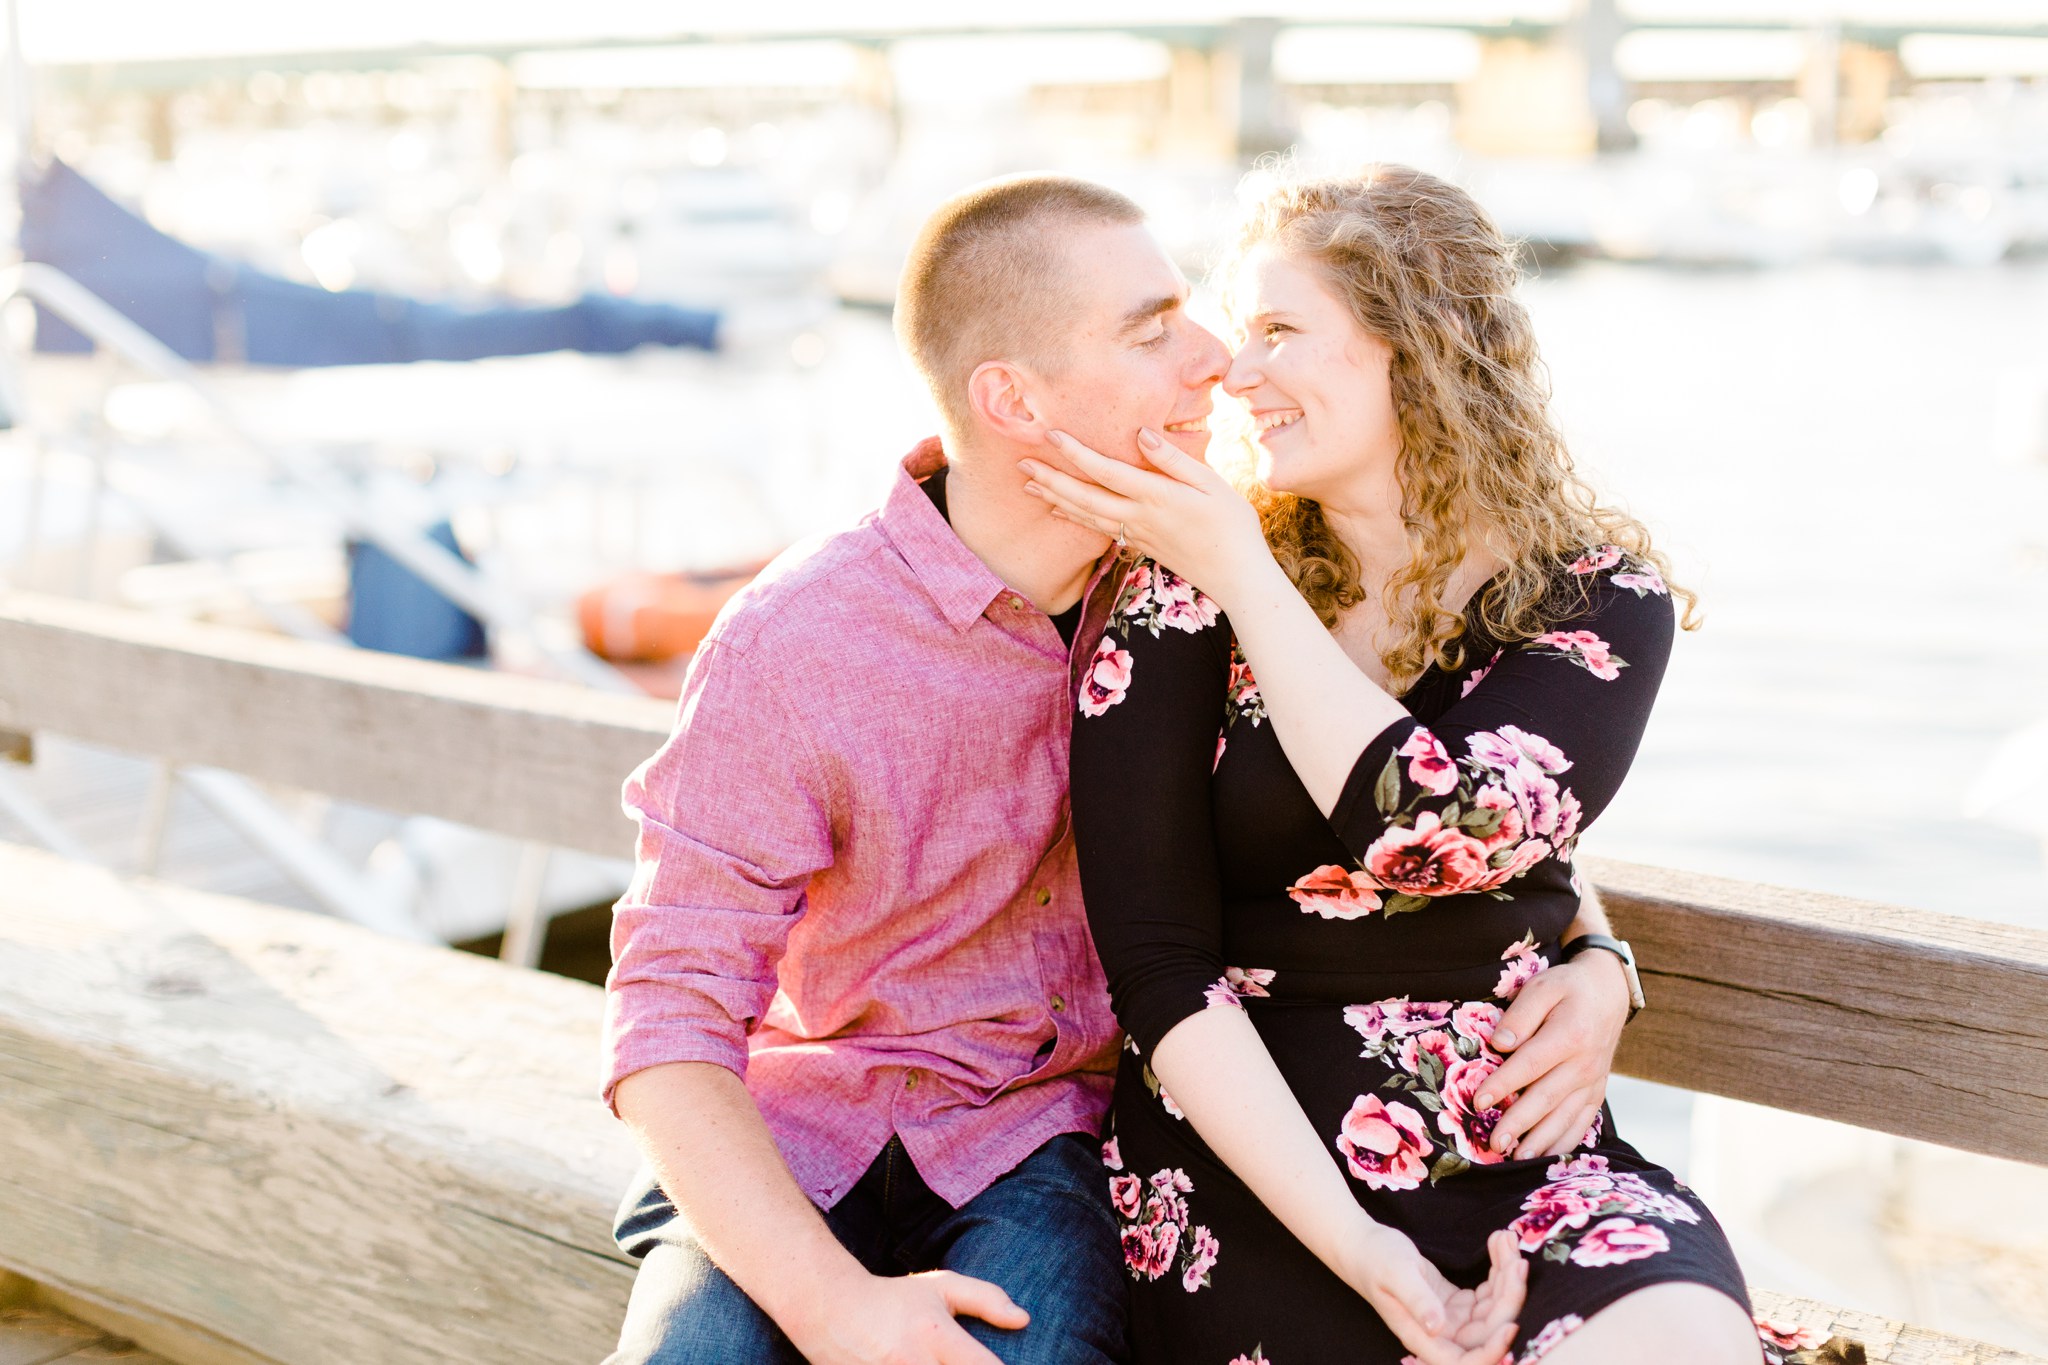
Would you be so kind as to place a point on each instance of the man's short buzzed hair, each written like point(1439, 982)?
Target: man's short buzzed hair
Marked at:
point(983, 281)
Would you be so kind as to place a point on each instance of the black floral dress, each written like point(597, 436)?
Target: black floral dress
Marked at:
point(1374, 950)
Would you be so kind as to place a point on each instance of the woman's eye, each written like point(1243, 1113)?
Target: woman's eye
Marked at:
point(1274, 328)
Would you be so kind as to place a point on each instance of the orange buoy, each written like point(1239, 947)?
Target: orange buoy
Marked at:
point(650, 617)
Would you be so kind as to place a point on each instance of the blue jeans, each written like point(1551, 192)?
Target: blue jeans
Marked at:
point(1044, 1232)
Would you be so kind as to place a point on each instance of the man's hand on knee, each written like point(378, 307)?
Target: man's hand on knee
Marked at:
point(906, 1320)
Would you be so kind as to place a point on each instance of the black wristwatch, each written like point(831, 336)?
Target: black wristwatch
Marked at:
point(1628, 964)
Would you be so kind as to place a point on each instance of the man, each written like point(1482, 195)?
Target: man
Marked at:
point(855, 1020)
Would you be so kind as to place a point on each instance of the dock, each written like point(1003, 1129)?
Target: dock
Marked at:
point(418, 1127)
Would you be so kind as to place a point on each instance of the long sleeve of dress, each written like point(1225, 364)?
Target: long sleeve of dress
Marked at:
point(1144, 745)
point(1533, 750)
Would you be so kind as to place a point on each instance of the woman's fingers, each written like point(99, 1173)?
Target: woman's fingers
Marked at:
point(1119, 475)
point(1171, 459)
point(1077, 497)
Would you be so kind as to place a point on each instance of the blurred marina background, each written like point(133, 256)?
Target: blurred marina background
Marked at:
point(1788, 263)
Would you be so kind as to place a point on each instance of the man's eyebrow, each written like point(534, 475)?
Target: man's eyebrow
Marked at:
point(1147, 311)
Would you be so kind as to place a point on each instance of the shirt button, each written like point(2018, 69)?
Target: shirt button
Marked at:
point(1016, 603)
point(1044, 896)
point(910, 1081)
point(1059, 1003)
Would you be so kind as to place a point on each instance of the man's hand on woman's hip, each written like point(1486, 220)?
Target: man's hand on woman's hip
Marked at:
point(1559, 1036)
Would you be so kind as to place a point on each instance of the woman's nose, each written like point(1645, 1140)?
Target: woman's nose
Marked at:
point(1243, 374)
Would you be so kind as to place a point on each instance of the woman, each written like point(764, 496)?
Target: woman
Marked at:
point(1326, 805)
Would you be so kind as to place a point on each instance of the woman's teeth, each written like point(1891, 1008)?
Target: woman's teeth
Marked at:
point(1270, 420)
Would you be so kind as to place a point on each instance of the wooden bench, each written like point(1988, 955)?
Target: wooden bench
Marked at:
point(252, 1135)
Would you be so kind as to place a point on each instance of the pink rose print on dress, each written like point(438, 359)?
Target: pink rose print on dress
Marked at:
point(1476, 1020)
point(1219, 996)
point(1396, 1019)
point(1786, 1336)
point(1429, 763)
point(1385, 1145)
point(1546, 1341)
point(1435, 1043)
point(1155, 1228)
point(1471, 825)
point(1469, 1127)
point(1158, 598)
point(1182, 605)
point(1567, 830)
point(1203, 1248)
point(1478, 676)
point(1242, 699)
point(1149, 1248)
point(1642, 580)
point(1523, 963)
point(1549, 1213)
point(1333, 893)
point(1619, 1241)
point(1257, 1357)
point(1535, 748)
point(1787, 1343)
point(1112, 1155)
point(1427, 859)
point(1508, 833)
point(1250, 980)
point(1107, 679)
point(1593, 561)
point(1515, 864)
point(1585, 649)
point(1586, 1187)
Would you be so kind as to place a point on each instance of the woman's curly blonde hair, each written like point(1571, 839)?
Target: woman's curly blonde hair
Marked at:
point(1422, 267)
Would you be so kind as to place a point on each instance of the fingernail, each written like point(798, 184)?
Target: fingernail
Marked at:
point(1484, 1099)
point(1034, 490)
point(1503, 1037)
point(1058, 438)
point(1148, 438)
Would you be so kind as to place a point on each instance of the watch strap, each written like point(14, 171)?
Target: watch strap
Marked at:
point(1587, 942)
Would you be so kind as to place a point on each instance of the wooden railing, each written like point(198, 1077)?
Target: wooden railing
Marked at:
point(267, 1136)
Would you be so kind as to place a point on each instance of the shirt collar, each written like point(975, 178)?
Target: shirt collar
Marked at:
point(961, 585)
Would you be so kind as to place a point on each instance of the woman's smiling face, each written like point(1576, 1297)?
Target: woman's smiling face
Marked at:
point(1318, 385)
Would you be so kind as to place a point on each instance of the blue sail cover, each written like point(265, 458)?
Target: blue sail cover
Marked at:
point(210, 308)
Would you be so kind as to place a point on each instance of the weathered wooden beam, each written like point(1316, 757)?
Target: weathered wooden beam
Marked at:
point(1924, 1025)
point(1886, 1341)
point(323, 1146)
point(537, 759)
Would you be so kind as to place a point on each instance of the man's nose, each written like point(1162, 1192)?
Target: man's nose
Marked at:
point(1212, 358)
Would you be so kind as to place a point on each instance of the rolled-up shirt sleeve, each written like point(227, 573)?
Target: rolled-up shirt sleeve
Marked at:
point(735, 820)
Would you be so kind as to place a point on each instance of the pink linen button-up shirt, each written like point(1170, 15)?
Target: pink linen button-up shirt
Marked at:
point(855, 883)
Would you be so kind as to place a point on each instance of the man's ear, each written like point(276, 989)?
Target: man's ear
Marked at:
point(1000, 395)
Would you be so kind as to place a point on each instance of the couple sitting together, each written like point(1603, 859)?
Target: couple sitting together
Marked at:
point(1087, 913)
